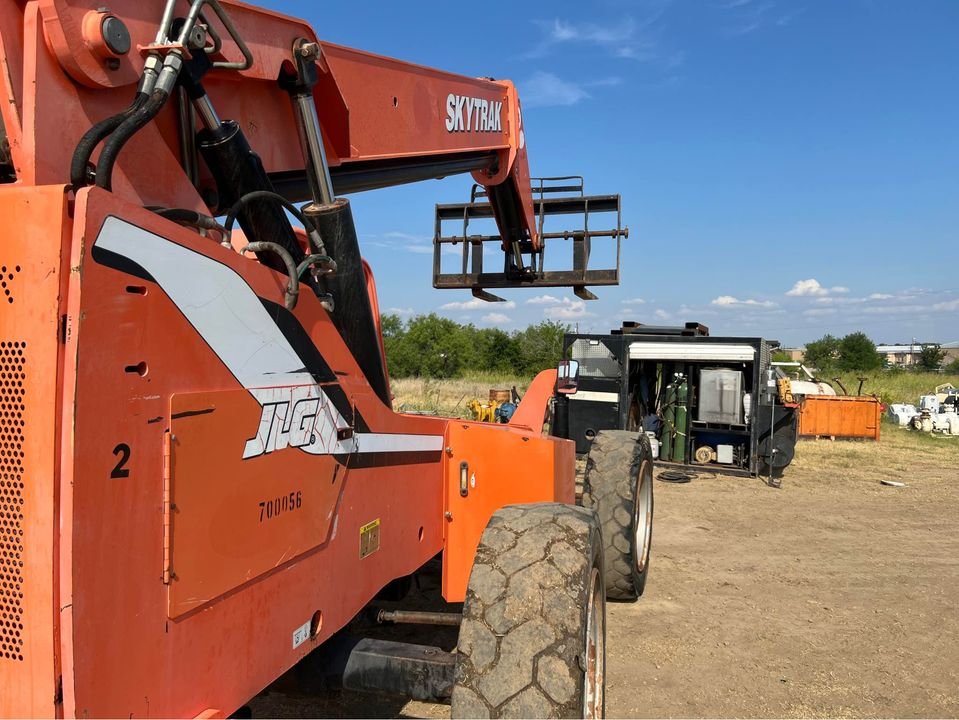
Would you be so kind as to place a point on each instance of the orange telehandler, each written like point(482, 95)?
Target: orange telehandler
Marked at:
point(202, 479)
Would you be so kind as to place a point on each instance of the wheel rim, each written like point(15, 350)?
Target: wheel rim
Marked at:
point(594, 700)
point(643, 517)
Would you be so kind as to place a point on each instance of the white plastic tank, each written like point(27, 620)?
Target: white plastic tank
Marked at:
point(653, 444)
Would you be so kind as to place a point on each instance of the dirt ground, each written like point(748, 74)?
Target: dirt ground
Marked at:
point(832, 596)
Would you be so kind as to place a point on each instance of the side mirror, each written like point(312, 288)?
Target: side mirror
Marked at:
point(567, 377)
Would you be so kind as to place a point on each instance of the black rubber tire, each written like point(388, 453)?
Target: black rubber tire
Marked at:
point(523, 643)
point(618, 469)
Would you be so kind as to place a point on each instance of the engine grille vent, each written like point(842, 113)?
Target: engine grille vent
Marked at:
point(12, 423)
point(7, 273)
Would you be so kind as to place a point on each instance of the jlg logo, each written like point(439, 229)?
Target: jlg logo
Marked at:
point(298, 417)
point(472, 114)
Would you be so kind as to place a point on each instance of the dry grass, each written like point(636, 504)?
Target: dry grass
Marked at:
point(896, 387)
point(901, 454)
point(449, 397)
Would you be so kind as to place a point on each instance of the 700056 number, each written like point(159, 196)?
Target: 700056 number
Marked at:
point(269, 509)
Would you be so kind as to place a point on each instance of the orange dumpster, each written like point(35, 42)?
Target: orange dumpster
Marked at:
point(841, 416)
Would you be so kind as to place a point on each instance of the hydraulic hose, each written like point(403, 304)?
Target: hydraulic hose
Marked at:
point(92, 137)
point(126, 130)
point(316, 242)
point(194, 219)
point(293, 286)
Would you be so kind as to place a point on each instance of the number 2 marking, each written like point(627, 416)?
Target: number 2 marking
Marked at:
point(122, 451)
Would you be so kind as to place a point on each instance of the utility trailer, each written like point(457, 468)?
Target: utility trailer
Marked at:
point(202, 478)
point(715, 403)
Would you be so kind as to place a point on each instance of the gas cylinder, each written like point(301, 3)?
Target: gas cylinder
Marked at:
point(669, 419)
point(679, 443)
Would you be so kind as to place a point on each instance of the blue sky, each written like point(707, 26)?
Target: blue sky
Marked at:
point(787, 169)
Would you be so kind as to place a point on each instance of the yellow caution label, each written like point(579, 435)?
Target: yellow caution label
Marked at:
point(369, 538)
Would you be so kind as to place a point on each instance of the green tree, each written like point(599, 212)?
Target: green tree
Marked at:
point(781, 356)
point(394, 339)
point(540, 346)
point(857, 353)
point(392, 326)
point(435, 346)
point(953, 367)
point(496, 350)
point(822, 354)
point(931, 357)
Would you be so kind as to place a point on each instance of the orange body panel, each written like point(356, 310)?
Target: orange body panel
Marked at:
point(532, 414)
point(840, 416)
point(502, 465)
point(158, 400)
point(31, 264)
point(231, 519)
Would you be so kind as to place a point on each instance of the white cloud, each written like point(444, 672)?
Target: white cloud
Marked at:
point(476, 304)
point(544, 300)
point(496, 318)
point(819, 312)
point(613, 35)
point(947, 306)
point(396, 235)
point(730, 301)
point(897, 309)
point(662, 315)
point(880, 296)
point(623, 38)
point(394, 240)
point(812, 288)
point(749, 16)
point(399, 311)
point(544, 89)
point(633, 301)
point(804, 288)
point(789, 17)
point(567, 310)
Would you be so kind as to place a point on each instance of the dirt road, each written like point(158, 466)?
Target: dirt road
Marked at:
point(832, 596)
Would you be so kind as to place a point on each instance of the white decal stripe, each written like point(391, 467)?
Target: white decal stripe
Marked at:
point(594, 395)
point(690, 351)
point(382, 442)
point(217, 302)
point(229, 316)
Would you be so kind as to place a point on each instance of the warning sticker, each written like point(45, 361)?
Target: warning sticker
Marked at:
point(369, 538)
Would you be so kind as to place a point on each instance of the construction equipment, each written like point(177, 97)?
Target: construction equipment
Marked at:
point(721, 395)
point(202, 478)
point(500, 408)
